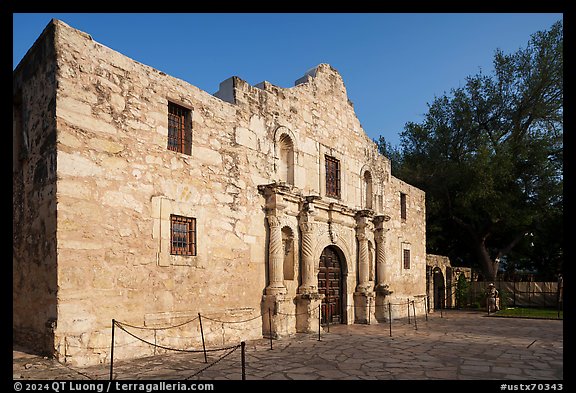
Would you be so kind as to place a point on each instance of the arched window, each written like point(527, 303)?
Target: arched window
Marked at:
point(286, 165)
point(368, 195)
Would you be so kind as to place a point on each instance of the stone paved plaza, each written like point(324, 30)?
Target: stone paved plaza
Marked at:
point(459, 345)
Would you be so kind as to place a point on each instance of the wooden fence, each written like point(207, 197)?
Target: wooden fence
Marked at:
point(520, 293)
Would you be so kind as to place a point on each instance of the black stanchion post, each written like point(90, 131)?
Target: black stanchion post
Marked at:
point(155, 341)
point(112, 350)
point(243, 358)
point(319, 321)
point(409, 311)
point(441, 302)
point(270, 325)
point(328, 316)
point(426, 308)
point(414, 309)
point(202, 334)
point(390, 317)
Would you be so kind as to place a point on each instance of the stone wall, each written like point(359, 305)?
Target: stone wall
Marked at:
point(442, 280)
point(34, 289)
point(118, 184)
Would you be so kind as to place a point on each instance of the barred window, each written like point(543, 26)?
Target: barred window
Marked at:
point(182, 235)
point(179, 129)
point(406, 257)
point(403, 206)
point(332, 177)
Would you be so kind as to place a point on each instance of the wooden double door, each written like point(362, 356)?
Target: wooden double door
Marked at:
point(330, 285)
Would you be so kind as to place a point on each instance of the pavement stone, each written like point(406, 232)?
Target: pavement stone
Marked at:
point(459, 345)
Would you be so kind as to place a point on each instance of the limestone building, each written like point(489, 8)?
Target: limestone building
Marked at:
point(141, 198)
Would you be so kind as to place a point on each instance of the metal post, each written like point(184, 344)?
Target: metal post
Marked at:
point(488, 302)
point(155, 340)
point(390, 317)
point(112, 350)
point(319, 321)
point(409, 311)
point(328, 316)
point(243, 358)
point(202, 334)
point(270, 325)
point(558, 300)
point(426, 308)
point(414, 309)
point(441, 302)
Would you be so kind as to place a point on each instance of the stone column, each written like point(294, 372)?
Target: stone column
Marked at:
point(309, 281)
point(276, 308)
point(275, 258)
point(364, 295)
point(308, 298)
point(363, 262)
point(382, 279)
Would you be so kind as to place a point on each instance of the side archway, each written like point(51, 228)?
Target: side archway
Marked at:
point(439, 288)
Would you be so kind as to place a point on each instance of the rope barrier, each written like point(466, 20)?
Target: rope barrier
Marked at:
point(171, 349)
point(295, 315)
point(213, 363)
point(231, 349)
point(120, 325)
point(243, 321)
point(158, 328)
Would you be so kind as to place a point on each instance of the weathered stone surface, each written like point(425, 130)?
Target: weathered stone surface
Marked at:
point(99, 205)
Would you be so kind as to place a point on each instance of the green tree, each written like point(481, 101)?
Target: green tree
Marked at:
point(490, 157)
point(393, 153)
point(462, 289)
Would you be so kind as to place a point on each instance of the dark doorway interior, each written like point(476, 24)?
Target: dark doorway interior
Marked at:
point(330, 284)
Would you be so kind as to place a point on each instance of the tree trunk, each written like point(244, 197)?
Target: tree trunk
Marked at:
point(489, 266)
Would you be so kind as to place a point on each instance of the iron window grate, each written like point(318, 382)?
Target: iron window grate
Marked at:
point(182, 235)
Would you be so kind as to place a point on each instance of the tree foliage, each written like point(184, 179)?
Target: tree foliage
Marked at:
point(489, 156)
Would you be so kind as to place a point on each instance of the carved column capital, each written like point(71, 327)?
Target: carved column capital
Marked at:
point(273, 221)
point(307, 227)
point(379, 220)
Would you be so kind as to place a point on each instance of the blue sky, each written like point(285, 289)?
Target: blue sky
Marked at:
point(393, 64)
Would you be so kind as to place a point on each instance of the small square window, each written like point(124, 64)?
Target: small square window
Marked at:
point(179, 129)
point(182, 235)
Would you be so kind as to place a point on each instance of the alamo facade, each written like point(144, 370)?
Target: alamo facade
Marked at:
point(141, 198)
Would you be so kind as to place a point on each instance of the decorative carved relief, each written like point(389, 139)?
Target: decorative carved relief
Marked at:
point(334, 232)
point(273, 221)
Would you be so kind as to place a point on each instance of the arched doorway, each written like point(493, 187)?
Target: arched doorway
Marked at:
point(439, 288)
point(330, 284)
